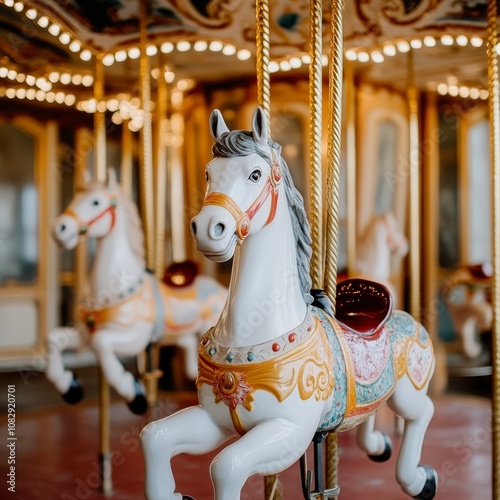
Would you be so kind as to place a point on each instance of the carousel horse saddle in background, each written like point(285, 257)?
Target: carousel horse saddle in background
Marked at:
point(363, 306)
point(180, 274)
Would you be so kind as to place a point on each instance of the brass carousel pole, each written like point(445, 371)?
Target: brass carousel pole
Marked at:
point(315, 121)
point(152, 375)
point(333, 197)
point(146, 157)
point(100, 171)
point(161, 175)
point(414, 195)
point(273, 489)
point(350, 91)
point(262, 57)
point(494, 115)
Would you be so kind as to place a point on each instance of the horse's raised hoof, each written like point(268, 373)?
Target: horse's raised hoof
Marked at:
point(139, 404)
point(430, 487)
point(386, 454)
point(75, 392)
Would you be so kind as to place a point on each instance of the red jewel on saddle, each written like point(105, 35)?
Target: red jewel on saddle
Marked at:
point(276, 347)
point(292, 337)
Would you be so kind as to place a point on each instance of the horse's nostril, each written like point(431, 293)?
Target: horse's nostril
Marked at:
point(63, 228)
point(219, 229)
point(193, 227)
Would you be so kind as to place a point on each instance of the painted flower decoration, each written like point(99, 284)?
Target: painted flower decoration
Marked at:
point(233, 389)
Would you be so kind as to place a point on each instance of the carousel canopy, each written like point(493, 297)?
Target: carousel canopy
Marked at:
point(50, 46)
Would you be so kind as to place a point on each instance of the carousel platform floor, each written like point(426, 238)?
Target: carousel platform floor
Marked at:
point(56, 454)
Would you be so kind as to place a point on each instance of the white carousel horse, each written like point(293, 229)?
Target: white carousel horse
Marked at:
point(380, 243)
point(275, 370)
point(466, 295)
point(127, 308)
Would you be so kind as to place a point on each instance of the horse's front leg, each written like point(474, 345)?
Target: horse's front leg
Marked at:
point(267, 449)
point(108, 343)
point(66, 383)
point(188, 431)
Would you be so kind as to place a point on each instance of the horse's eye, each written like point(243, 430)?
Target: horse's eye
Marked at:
point(95, 203)
point(255, 175)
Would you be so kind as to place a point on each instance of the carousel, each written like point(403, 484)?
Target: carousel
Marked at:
point(249, 250)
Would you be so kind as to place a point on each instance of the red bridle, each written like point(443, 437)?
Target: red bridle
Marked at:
point(83, 226)
point(242, 218)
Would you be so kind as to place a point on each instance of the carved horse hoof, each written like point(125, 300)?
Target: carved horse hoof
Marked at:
point(386, 454)
point(139, 404)
point(429, 490)
point(75, 392)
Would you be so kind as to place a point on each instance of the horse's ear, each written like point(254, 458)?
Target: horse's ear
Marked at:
point(260, 128)
point(217, 125)
point(87, 176)
point(112, 182)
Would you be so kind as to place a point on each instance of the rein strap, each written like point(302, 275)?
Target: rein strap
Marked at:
point(243, 218)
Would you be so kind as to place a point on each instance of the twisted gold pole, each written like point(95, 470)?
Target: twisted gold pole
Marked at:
point(161, 176)
point(263, 40)
point(414, 198)
point(333, 193)
point(272, 486)
point(100, 174)
point(315, 117)
point(494, 113)
point(146, 184)
point(99, 123)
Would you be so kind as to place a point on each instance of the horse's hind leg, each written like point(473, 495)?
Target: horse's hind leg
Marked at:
point(416, 408)
point(188, 431)
point(376, 444)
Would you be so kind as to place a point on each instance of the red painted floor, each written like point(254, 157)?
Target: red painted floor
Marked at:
point(56, 456)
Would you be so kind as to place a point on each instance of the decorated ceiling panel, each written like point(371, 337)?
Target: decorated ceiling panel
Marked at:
point(105, 25)
point(215, 39)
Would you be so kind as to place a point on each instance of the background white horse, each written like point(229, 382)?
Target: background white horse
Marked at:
point(467, 296)
point(126, 308)
point(275, 370)
point(381, 245)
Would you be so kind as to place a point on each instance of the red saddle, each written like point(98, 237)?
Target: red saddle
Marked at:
point(363, 306)
point(482, 271)
point(180, 274)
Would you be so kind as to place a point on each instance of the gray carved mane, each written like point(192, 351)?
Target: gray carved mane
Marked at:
point(241, 143)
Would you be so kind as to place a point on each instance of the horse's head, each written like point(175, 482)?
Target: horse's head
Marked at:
point(397, 241)
point(91, 212)
point(243, 185)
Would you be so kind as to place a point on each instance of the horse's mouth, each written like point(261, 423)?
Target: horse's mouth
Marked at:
point(221, 255)
point(68, 242)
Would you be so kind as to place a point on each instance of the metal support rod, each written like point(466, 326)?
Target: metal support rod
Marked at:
point(350, 99)
point(263, 41)
point(315, 122)
point(161, 176)
point(262, 57)
point(335, 80)
point(146, 184)
point(104, 436)
point(414, 195)
point(99, 123)
point(100, 174)
point(494, 115)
